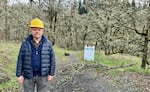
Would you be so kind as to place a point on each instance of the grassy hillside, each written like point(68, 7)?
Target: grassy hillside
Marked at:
point(8, 54)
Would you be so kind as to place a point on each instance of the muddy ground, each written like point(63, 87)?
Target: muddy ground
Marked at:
point(74, 76)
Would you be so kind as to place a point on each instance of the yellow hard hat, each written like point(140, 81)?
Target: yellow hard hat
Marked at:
point(36, 23)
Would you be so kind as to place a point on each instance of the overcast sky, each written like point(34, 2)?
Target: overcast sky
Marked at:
point(15, 1)
point(138, 1)
point(26, 1)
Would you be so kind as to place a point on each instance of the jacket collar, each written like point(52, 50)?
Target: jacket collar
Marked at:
point(30, 38)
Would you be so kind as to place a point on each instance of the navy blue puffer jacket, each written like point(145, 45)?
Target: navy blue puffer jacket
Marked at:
point(24, 63)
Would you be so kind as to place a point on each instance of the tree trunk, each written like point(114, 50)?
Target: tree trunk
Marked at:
point(85, 36)
point(6, 22)
point(145, 52)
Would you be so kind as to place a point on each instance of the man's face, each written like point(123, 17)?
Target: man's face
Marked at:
point(37, 32)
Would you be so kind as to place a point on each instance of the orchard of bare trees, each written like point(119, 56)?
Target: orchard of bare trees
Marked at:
point(114, 26)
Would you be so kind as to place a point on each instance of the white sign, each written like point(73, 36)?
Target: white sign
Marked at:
point(89, 53)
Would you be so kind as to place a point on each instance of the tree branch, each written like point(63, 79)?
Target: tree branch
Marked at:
point(142, 34)
point(97, 14)
point(121, 66)
point(104, 67)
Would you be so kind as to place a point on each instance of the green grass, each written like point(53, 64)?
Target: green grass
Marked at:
point(9, 51)
point(118, 60)
point(9, 84)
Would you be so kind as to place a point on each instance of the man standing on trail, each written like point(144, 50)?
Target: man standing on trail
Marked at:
point(36, 60)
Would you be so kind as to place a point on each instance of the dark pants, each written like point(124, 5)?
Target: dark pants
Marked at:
point(37, 83)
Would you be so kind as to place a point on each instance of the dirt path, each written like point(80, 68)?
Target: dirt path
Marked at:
point(72, 77)
point(73, 58)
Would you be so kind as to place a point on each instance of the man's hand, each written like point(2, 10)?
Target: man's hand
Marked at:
point(21, 79)
point(49, 78)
